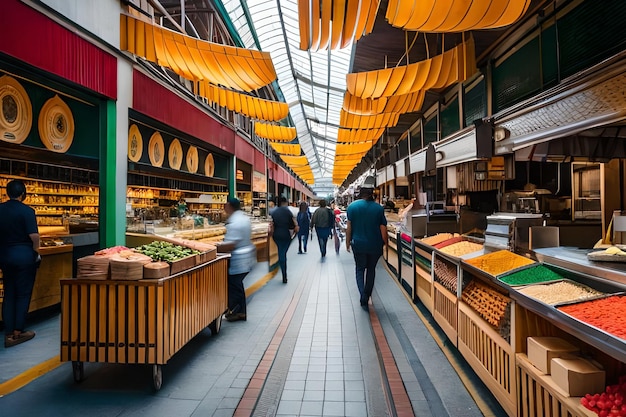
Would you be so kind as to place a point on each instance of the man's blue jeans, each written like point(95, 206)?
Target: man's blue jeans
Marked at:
point(365, 273)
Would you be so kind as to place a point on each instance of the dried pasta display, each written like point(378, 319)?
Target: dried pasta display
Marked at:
point(560, 292)
point(493, 306)
point(446, 274)
point(461, 248)
point(499, 262)
point(438, 238)
point(606, 314)
point(531, 275)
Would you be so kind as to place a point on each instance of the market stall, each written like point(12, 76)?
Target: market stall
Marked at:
point(113, 318)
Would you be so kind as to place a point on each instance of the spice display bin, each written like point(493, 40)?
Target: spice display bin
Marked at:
point(140, 322)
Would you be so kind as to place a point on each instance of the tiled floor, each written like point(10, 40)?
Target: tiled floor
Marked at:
point(307, 349)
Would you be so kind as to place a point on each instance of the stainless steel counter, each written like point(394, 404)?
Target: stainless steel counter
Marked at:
point(575, 259)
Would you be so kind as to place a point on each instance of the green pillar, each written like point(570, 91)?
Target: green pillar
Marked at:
point(112, 200)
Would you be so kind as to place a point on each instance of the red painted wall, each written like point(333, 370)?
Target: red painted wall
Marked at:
point(35, 39)
point(244, 150)
point(156, 101)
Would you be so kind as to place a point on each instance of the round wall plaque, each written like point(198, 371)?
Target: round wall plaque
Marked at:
point(56, 125)
point(175, 154)
point(16, 111)
point(192, 159)
point(209, 165)
point(135, 144)
point(156, 149)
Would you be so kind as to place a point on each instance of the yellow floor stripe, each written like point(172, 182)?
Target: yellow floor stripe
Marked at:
point(261, 282)
point(465, 379)
point(28, 376)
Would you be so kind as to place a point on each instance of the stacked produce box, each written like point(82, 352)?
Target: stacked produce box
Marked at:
point(157, 259)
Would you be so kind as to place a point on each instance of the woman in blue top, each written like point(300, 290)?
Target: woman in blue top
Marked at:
point(304, 222)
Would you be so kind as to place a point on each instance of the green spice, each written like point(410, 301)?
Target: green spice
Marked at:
point(531, 275)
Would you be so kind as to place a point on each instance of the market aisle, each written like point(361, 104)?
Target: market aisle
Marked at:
point(324, 355)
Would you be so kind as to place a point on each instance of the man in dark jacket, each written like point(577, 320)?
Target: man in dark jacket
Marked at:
point(323, 220)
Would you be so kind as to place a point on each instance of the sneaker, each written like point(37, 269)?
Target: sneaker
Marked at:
point(236, 317)
point(12, 340)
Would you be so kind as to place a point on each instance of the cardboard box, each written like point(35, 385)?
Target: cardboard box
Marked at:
point(541, 350)
point(577, 376)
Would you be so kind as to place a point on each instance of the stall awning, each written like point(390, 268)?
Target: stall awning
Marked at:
point(404, 103)
point(253, 107)
point(196, 59)
point(454, 15)
point(334, 24)
point(357, 121)
point(286, 149)
point(359, 135)
point(451, 67)
point(275, 132)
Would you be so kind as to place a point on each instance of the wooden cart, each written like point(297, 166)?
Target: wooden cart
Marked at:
point(140, 322)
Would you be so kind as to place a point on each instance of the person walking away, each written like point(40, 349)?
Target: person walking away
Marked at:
point(237, 241)
point(323, 220)
point(304, 222)
point(366, 233)
point(283, 227)
point(19, 259)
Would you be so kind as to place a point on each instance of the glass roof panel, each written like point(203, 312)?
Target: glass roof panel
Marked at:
point(313, 83)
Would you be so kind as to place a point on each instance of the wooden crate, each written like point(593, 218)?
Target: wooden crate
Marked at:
point(445, 311)
point(144, 322)
point(182, 264)
point(489, 354)
point(538, 396)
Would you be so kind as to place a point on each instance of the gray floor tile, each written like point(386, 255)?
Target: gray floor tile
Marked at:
point(333, 408)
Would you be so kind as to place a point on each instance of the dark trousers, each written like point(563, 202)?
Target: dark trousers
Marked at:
point(365, 273)
point(18, 270)
point(303, 238)
point(283, 247)
point(236, 293)
point(322, 238)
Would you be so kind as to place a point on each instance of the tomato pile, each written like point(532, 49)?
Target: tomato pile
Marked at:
point(612, 402)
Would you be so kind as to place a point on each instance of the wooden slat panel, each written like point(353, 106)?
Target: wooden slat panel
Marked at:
point(160, 308)
point(92, 328)
point(101, 325)
point(131, 324)
point(151, 322)
point(120, 339)
point(65, 321)
point(142, 335)
point(111, 324)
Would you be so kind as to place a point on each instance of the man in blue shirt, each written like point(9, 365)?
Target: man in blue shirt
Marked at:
point(366, 233)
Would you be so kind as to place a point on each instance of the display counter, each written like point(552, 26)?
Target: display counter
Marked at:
point(140, 322)
point(489, 321)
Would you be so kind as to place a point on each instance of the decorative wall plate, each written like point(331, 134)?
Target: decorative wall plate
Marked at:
point(209, 165)
point(135, 144)
point(56, 125)
point(175, 154)
point(192, 159)
point(156, 150)
point(16, 111)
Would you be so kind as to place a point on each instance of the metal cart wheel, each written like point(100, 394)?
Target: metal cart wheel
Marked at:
point(157, 377)
point(78, 369)
point(216, 325)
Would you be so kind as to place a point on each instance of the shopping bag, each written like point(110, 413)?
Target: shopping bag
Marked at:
point(337, 242)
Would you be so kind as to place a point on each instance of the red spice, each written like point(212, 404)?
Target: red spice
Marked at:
point(607, 314)
point(449, 242)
